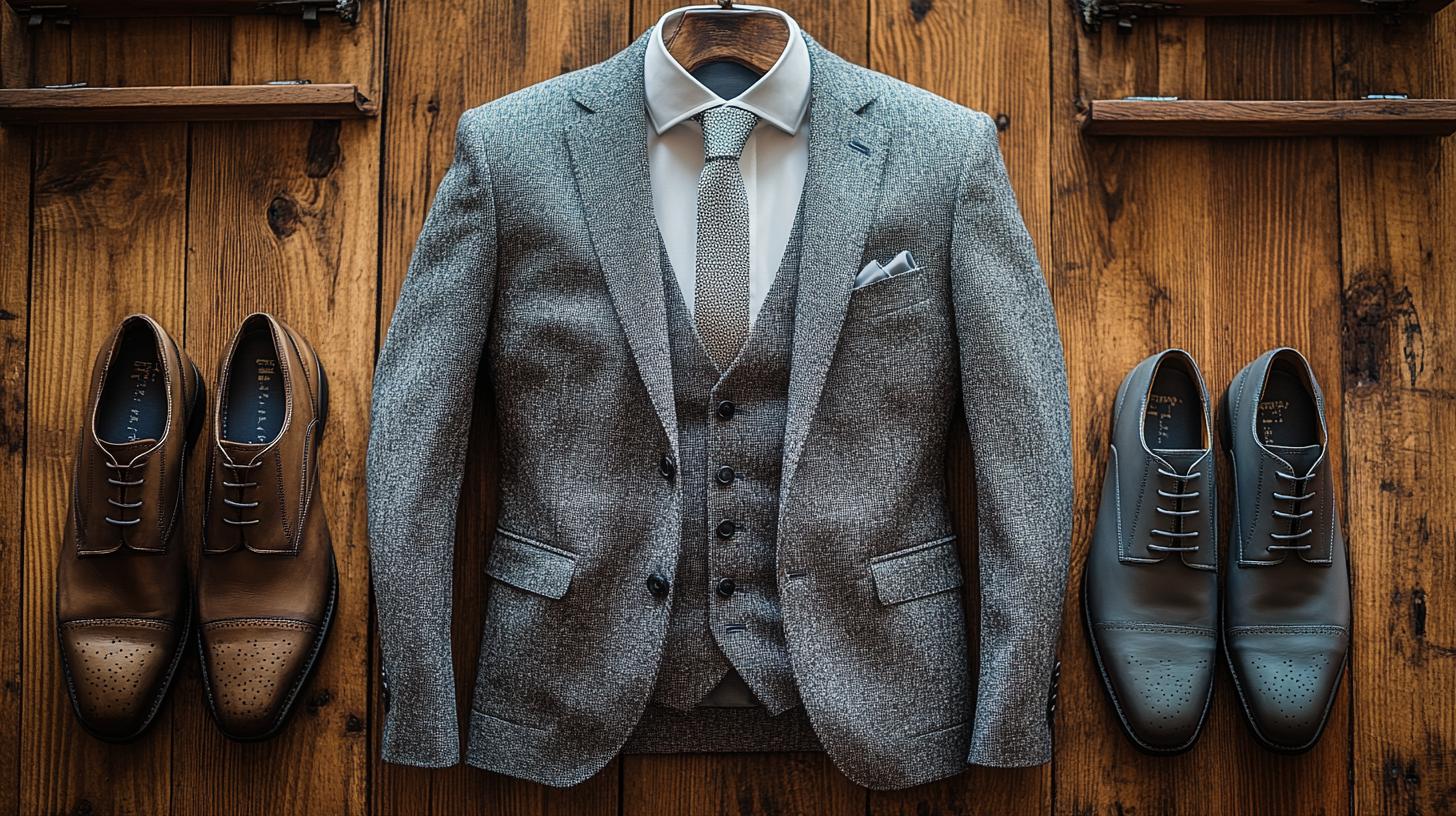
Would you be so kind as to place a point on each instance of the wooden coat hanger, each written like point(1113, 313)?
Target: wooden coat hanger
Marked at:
point(753, 39)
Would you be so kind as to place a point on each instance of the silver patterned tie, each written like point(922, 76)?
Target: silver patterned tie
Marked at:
point(720, 297)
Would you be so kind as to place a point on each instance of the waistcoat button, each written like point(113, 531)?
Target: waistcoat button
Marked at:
point(726, 528)
point(725, 475)
point(666, 467)
point(725, 410)
point(726, 587)
point(658, 585)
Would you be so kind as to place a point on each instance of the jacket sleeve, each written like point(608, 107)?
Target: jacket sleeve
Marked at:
point(1014, 384)
point(424, 386)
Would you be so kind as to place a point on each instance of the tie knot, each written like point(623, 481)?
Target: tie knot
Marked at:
point(725, 131)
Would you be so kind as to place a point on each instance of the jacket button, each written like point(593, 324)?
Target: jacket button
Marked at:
point(725, 475)
point(666, 467)
point(725, 410)
point(658, 585)
point(726, 587)
point(726, 528)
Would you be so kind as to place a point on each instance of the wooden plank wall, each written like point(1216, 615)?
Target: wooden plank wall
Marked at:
point(1344, 248)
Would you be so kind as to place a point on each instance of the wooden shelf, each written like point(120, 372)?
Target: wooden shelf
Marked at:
point(35, 11)
point(1095, 12)
point(200, 103)
point(1198, 117)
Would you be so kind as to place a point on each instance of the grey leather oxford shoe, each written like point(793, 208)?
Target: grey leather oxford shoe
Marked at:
point(1150, 586)
point(1286, 619)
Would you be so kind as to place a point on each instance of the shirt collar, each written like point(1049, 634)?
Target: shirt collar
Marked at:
point(780, 97)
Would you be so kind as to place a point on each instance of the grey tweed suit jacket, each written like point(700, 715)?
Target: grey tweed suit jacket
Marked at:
point(541, 253)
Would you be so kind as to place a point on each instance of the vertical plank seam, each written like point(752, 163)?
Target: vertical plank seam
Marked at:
point(372, 670)
point(25, 435)
point(1353, 568)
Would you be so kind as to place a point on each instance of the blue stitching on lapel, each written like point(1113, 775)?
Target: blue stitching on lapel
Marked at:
point(856, 145)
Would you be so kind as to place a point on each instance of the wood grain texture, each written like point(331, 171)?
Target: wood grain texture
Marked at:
point(1108, 10)
point(1399, 246)
point(108, 240)
point(166, 8)
point(755, 40)
point(1344, 248)
point(839, 25)
point(207, 103)
point(15, 238)
point(15, 53)
point(702, 784)
point(1210, 117)
point(15, 178)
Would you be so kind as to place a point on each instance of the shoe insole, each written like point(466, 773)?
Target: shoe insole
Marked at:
point(134, 397)
point(255, 404)
point(1287, 415)
point(1174, 419)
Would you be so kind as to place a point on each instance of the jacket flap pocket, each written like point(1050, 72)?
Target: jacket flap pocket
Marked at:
point(530, 565)
point(917, 571)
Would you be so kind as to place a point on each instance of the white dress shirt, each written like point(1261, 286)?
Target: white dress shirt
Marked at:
point(774, 161)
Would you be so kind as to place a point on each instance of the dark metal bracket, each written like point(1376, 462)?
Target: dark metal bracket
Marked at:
point(346, 10)
point(1094, 12)
point(36, 13)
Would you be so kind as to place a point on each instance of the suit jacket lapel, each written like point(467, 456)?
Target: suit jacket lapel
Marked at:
point(609, 158)
point(846, 164)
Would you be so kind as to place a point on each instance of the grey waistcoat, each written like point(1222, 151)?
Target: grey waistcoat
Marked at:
point(708, 633)
point(716, 644)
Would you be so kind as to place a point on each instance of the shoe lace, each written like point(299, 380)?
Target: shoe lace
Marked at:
point(1297, 499)
point(1179, 498)
point(238, 471)
point(121, 481)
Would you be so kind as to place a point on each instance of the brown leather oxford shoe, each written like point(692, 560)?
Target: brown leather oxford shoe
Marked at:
point(123, 608)
point(266, 584)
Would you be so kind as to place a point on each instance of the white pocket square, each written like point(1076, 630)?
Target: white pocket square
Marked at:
point(875, 271)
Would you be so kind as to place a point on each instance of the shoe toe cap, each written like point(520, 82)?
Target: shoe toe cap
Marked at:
point(253, 669)
point(118, 670)
point(1287, 676)
point(1160, 678)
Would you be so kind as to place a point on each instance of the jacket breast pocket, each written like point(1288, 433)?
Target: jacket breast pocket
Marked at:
point(530, 565)
point(889, 294)
point(917, 571)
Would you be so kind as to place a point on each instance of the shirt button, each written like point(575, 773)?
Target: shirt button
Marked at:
point(726, 587)
point(725, 475)
point(666, 467)
point(726, 528)
point(725, 410)
point(658, 585)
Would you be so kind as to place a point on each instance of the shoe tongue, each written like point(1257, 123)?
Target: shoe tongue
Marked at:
point(1180, 458)
point(1302, 459)
point(124, 453)
point(242, 453)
